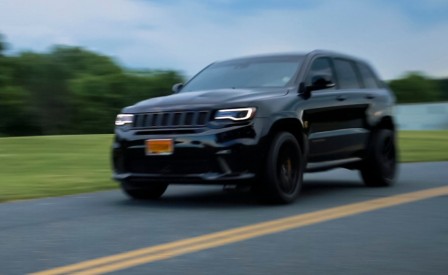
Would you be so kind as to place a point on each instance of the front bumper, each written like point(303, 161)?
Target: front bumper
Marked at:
point(231, 154)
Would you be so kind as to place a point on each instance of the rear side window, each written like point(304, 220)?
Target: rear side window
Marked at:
point(369, 79)
point(346, 73)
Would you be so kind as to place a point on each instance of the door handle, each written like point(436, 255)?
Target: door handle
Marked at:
point(341, 98)
point(370, 96)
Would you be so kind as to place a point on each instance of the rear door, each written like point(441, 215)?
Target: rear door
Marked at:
point(375, 93)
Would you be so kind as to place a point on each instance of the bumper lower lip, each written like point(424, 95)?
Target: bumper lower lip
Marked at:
point(210, 178)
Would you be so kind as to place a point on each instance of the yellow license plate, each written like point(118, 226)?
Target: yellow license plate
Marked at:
point(159, 146)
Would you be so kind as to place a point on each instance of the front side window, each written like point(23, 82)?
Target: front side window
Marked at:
point(346, 73)
point(245, 74)
point(321, 67)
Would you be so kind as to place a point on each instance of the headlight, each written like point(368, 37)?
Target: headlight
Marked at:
point(236, 114)
point(124, 119)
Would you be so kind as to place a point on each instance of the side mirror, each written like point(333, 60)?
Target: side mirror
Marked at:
point(320, 82)
point(177, 87)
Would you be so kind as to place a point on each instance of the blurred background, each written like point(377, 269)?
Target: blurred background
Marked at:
point(68, 67)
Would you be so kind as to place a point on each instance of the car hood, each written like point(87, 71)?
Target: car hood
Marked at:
point(205, 100)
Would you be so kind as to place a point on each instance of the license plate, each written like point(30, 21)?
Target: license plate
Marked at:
point(159, 146)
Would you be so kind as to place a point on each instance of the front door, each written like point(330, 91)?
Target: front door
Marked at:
point(335, 117)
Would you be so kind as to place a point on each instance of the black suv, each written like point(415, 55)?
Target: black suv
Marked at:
point(260, 121)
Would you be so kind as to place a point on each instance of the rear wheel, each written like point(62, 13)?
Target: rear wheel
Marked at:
point(149, 191)
point(282, 179)
point(380, 165)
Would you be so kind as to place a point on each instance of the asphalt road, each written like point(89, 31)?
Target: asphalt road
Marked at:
point(410, 238)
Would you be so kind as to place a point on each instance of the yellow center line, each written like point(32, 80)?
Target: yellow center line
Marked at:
point(172, 249)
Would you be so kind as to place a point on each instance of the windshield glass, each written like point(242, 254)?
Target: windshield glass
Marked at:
point(245, 74)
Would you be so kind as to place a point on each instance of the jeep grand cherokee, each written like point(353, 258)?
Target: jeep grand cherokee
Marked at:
point(261, 121)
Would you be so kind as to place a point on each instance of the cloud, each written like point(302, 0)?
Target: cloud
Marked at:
point(187, 35)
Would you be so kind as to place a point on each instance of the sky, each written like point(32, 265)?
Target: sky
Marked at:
point(395, 36)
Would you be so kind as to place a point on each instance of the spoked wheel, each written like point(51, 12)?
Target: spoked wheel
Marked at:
point(139, 191)
point(380, 165)
point(282, 179)
point(287, 168)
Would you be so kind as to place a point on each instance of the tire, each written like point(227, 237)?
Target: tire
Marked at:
point(380, 164)
point(282, 179)
point(150, 191)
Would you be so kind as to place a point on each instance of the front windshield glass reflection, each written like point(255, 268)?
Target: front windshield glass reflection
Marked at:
point(244, 74)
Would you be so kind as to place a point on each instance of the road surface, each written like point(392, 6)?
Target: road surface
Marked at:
point(337, 226)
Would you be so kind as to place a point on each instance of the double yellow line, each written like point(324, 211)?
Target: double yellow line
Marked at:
point(173, 249)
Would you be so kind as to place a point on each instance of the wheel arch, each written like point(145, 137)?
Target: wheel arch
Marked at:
point(293, 126)
point(386, 122)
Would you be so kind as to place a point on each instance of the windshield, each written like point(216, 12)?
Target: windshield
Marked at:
point(246, 73)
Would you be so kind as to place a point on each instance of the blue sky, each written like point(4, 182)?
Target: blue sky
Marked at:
point(395, 36)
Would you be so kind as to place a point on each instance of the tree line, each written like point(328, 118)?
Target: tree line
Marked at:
point(415, 87)
point(71, 90)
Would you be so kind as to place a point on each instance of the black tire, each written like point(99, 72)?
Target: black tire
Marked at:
point(282, 179)
point(150, 191)
point(380, 164)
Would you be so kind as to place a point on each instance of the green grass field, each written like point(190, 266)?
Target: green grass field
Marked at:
point(416, 146)
point(54, 165)
point(33, 167)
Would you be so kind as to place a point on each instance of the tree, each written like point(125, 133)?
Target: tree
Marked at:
point(15, 114)
point(70, 90)
point(55, 104)
point(4, 68)
point(443, 86)
point(2, 45)
point(415, 87)
point(77, 61)
point(46, 82)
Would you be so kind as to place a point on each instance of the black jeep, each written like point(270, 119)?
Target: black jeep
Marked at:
point(260, 121)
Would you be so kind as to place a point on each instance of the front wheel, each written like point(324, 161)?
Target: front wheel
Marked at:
point(380, 164)
point(283, 175)
point(149, 191)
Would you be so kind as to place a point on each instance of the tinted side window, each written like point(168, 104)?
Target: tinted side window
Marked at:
point(320, 67)
point(346, 72)
point(369, 79)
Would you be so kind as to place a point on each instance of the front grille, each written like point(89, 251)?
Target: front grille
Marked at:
point(171, 119)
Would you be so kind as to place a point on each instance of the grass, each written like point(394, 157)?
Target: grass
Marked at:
point(33, 167)
point(417, 146)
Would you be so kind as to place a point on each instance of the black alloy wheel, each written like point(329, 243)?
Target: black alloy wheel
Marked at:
point(380, 165)
point(282, 180)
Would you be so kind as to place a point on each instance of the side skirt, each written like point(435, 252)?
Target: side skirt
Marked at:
point(349, 163)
